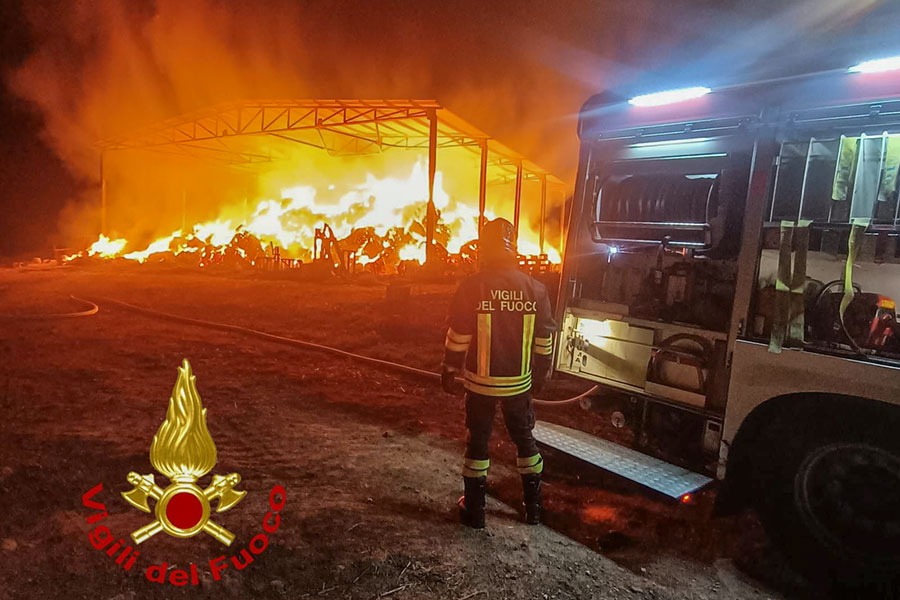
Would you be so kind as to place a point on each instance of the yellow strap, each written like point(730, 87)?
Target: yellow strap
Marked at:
point(796, 317)
point(891, 171)
point(845, 170)
point(857, 227)
point(527, 341)
point(782, 288)
point(484, 343)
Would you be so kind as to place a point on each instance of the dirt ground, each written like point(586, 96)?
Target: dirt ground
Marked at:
point(369, 458)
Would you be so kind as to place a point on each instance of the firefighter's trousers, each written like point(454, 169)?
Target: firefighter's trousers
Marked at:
point(518, 415)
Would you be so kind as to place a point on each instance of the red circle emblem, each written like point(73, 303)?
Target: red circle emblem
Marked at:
point(184, 510)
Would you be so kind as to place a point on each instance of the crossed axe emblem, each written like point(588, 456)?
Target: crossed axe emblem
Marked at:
point(182, 508)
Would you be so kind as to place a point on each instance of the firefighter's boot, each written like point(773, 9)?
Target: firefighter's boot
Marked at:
point(471, 506)
point(531, 488)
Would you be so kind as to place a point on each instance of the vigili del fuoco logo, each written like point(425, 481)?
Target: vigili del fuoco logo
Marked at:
point(183, 451)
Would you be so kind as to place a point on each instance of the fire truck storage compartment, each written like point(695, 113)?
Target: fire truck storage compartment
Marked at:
point(833, 192)
point(609, 349)
point(687, 193)
point(665, 235)
point(680, 364)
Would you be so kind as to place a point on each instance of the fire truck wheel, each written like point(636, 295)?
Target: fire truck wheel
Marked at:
point(835, 512)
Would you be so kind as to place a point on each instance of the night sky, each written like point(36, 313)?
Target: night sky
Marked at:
point(33, 180)
point(515, 68)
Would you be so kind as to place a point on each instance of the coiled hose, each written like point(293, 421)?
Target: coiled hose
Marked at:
point(309, 345)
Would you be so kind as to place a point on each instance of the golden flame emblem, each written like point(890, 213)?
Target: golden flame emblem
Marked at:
point(183, 451)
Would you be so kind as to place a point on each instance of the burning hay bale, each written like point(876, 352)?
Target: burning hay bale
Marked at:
point(364, 250)
point(381, 254)
point(374, 224)
point(377, 227)
point(242, 251)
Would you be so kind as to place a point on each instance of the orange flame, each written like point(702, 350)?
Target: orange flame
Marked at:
point(106, 247)
point(392, 207)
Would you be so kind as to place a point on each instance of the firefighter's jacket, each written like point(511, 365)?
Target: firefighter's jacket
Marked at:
point(499, 318)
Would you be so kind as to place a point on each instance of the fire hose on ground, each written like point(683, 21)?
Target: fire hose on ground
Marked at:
point(282, 340)
point(93, 310)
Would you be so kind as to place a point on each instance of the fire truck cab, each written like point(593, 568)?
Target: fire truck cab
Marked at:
point(730, 281)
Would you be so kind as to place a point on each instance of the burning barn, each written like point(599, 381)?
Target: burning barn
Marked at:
point(281, 182)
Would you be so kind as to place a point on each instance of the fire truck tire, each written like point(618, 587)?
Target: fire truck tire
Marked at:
point(833, 508)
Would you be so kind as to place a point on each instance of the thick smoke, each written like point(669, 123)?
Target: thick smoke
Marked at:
point(516, 69)
point(106, 68)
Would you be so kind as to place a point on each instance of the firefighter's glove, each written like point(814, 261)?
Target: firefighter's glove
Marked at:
point(537, 383)
point(448, 380)
point(539, 373)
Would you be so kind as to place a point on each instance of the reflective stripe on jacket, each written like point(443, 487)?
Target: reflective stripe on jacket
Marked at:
point(499, 318)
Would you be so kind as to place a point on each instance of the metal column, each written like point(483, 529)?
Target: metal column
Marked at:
point(543, 208)
point(102, 196)
point(482, 186)
point(562, 226)
point(518, 197)
point(431, 211)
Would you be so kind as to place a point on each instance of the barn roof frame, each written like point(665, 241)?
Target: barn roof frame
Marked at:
point(381, 123)
point(340, 127)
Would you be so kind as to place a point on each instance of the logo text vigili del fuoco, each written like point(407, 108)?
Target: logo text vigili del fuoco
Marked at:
point(184, 452)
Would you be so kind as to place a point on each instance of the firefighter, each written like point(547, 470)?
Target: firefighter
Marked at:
point(499, 342)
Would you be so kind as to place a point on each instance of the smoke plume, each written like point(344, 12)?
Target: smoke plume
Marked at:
point(518, 70)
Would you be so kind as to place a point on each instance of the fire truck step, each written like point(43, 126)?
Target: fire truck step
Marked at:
point(651, 472)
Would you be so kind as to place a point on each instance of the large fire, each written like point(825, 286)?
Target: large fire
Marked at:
point(380, 222)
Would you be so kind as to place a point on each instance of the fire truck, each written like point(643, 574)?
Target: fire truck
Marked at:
point(730, 281)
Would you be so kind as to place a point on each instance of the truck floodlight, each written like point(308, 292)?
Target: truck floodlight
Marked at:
point(879, 65)
point(669, 96)
point(696, 140)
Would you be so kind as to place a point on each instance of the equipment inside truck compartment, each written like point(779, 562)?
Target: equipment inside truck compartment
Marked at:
point(829, 271)
point(668, 241)
point(837, 179)
point(655, 207)
point(867, 322)
point(656, 287)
